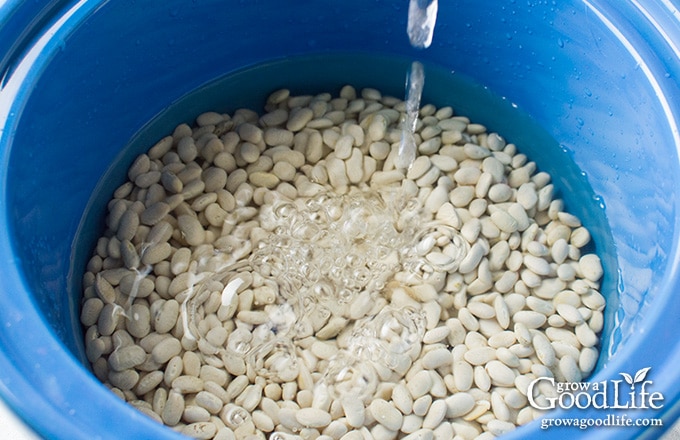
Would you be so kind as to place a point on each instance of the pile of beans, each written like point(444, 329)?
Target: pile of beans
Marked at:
point(224, 299)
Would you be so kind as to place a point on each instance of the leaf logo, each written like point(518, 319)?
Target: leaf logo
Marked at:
point(639, 377)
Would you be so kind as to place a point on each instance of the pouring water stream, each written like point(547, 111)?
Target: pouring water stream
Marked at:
point(422, 16)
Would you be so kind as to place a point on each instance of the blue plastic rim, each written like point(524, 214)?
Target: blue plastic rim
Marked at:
point(80, 79)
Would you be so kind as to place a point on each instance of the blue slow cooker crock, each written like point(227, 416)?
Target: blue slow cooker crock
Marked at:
point(79, 79)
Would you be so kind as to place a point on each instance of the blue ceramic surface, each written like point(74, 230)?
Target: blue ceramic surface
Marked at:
point(79, 80)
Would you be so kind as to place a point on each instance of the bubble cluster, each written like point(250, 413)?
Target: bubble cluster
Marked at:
point(381, 347)
point(326, 250)
point(416, 264)
point(276, 360)
point(324, 253)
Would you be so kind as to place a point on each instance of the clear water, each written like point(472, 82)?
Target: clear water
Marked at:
point(422, 17)
point(331, 256)
point(328, 73)
point(415, 81)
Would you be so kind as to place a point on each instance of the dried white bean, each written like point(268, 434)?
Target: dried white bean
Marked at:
point(422, 405)
point(544, 350)
point(480, 356)
point(591, 267)
point(500, 374)
point(126, 357)
point(386, 414)
point(529, 318)
point(313, 417)
point(500, 427)
point(435, 335)
point(504, 221)
point(436, 358)
point(435, 415)
point(354, 412)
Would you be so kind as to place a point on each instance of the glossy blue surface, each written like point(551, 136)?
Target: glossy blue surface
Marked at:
point(83, 78)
